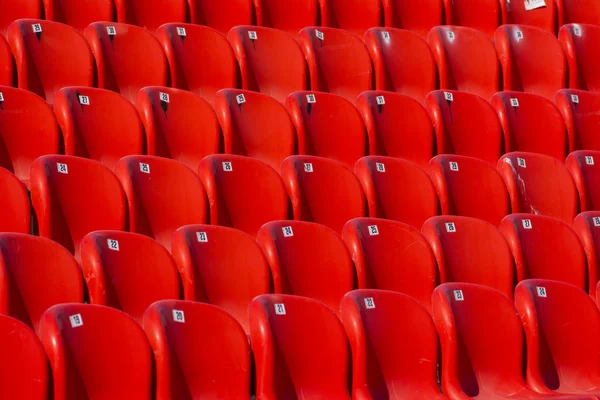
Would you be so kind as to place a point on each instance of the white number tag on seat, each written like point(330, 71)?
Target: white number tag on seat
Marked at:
point(380, 100)
point(308, 167)
point(574, 99)
point(519, 35)
point(37, 28)
point(373, 230)
point(202, 237)
point(62, 168)
point(526, 224)
point(113, 244)
point(514, 102)
point(450, 227)
point(111, 30)
point(369, 303)
point(577, 31)
point(1, 97)
point(179, 316)
point(310, 98)
point(280, 309)
point(450, 35)
point(287, 231)
point(448, 96)
point(227, 166)
point(596, 221)
point(164, 97)
point(145, 168)
point(181, 32)
point(541, 291)
point(240, 98)
point(84, 100)
point(385, 35)
point(76, 320)
point(521, 162)
point(380, 167)
point(319, 34)
point(458, 295)
point(589, 160)
point(453, 166)
point(252, 35)
point(533, 4)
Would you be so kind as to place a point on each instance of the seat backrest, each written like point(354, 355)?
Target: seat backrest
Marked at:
point(402, 62)
point(300, 348)
point(465, 124)
point(98, 124)
point(287, 16)
point(485, 16)
point(355, 16)
point(96, 352)
point(323, 191)
point(532, 13)
point(221, 15)
point(200, 351)
point(397, 126)
point(162, 195)
point(469, 187)
point(128, 58)
point(391, 255)
point(270, 61)
point(582, 166)
point(578, 108)
point(419, 19)
point(73, 196)
point(13, 10)
point(539, 184)
point(15, 214)
point(338, 61)
point(151, 14)
point(586, 226)
point(520, 49)
point(579, 42)
point(77, 15)
point(49, 56)
point(578, 11)
point(6, 63)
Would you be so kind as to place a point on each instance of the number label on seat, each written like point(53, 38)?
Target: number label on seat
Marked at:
point(240, 98)
point(380, 167)
point(453, 166)
point(380, 100)
point(373, 230)
point(385, 35)
point(521, 162)
point(319, 34)
point(287, 231)
point(575, 99)
point(145, 168)
point(514, 102)
point(308, 167)
point(369, 303)
point(227, 166)
point(596, 221)
point(164, 97)
point(519, 35)
point(448, 96)
point(37, 28)
point(280, 309)
point(181, 31)
point(589, 160)
point(577, 31)
point(84, 100)
point(458, 295)
point(179, 316)
point(541, 291)
point(252, 35)
point(111, 30)
point(76, 320)
point(450, 227)
point(533, 4)
point(310, 98)
point(526, 224)
point(1, 97)
point(451, 35)
point(113, 244)
point(62, 168)
point(202, 237)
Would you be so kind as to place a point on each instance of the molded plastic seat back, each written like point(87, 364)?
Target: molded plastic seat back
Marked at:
point(15, 214)
point(151, 14)
point(485, 16)
point(221, 15)
point(287, 16)
point(578, 11)
point(579, 42)
point(7, 66)
point(578, 108)
point(419, 18)
point(79, 14)
point(535, 14)
point(582, 166)
point(586, 225)
point(13, 10)
point(355, 16)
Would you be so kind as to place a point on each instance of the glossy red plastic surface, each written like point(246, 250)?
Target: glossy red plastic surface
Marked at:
point(578, 108)
point(355, 16)
point(221, 15)
point(541, 17)
point(485, 16)
point(288, 16)
point(417, 17)
point(151, 14)
point(580, 43)
point(15, 210)
point(200, 351)
point(79, 14)
point(578, 11)
point(7, 66)
point(583, 168)
point(13, 10)
point(586, 226)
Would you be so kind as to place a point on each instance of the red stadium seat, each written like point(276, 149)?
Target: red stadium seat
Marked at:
point(582, 166)
point(578, 11)
point(7, 66)
point(127, 271)
point(397, 126)
point(586, 226)
point(540, 14)
point(390, 255)
point(469, 187)
point(462, 245)
point(578, 108)
point(128, 58)
point(13, 10)
point(521, 49)
point(270, 61)
point(221, 15)
point(255, 125)
point(15, 210)
point(338, 61)
point(531, 123)
point(300, 348)
point(328, 126)
point(539, 184)
point(79, 14)
point(545, 248)
point(73, 196)
point(485, 16)
point(288, 16)
point(383, 366)
point(162, 195)
point(151, 14)
point(417, 17)
point(355, 16)
point(96, 352)
point(199, 350)
point(49, 56)
point(465, 124)
point(580, 43)
point(200, 59)
point(98, 124)
point(208, 257)
point(382, 179)
point(402, 62)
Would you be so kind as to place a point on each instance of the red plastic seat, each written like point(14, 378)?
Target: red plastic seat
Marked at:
point(338, 61)
point(355, 16)
point(578, 11)
point(15, 210)
point(36, 273)
point(162, 195)
point(328, 126)
point(6, 63)
point(397, 189)
point(200, 59)
point(562, 325)
point(538, 14)
point(151, 14)
point(49, 56)
point(578, 108)
point(462, 245)
point(323, 191)
point(255, 125)
point(531, 123)
point(127, 271)
point(390, 255)
point(586, 226)
point(221, 15)
point(98, 124)
point(465, 124)
point(582, 166)
point(287, 16)
point(73, 196)
point(270, 61)
point(402, 62)
point(96, 352)
point(539, 184)
point(200, 351)
point(469, 187)
point(382, 365)
point(79, 14)
point(300, 348)
point(580, 43)
point(128, 58)
point(545, 248)
point(466, 59)
point(13, 10)
point(417, 17)
point(520, 49)
point(397, 126)
point(484, 16)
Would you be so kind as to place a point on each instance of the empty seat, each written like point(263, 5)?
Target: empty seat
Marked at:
point(582, 166)
point(485, 16)
point(531, 123)
point(390, 255)
point(96, 352)
point(200, 351)
point(270, 61)
point(419, 18)
point(338, 61)
point(323, 191)
point(328, 126)
point(79, 14)
point(49, 56)
point(150, 14)
point(300, 348)
point(586, 226)
point(465, 124)
point(73, 196)
point(355, 16)
point(578, 108)
point(521, 50)
point(13, 10)
point(539, 184)
point(15, 214)
point(162, 195)
point(471, 250)
point(6, 63)
point(382, 365)
point(540, 14)
point(221, 15)
point(128, 58)
point(402, 62)
point(98, 124)
point(545, 248)
point(578, 11)
point(288, 16)
point(579, 42)
point(255, 125)
point(178, 125)
point(397, 126)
